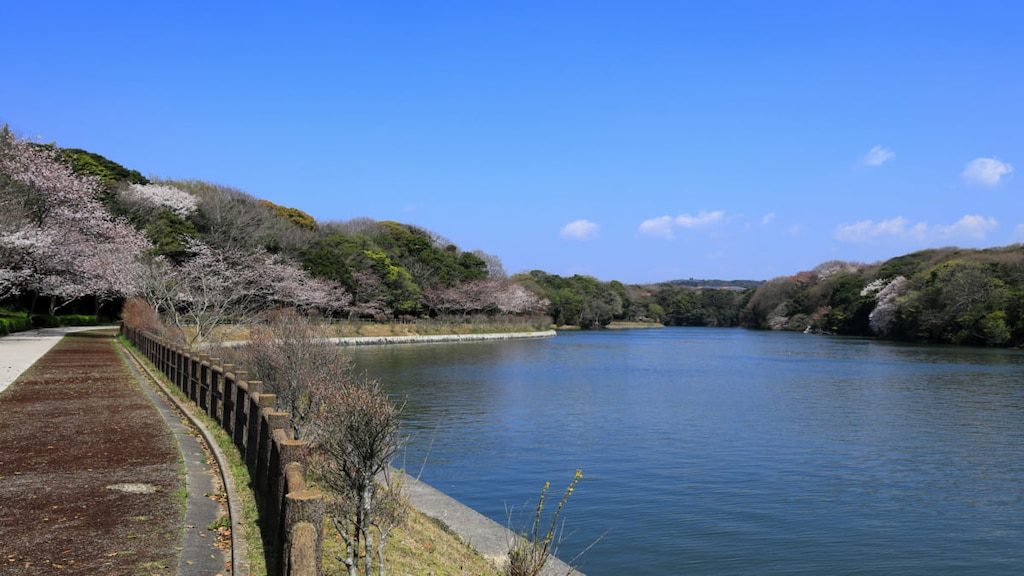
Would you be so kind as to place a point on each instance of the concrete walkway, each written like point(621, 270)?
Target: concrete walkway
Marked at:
point(21, 350)
point(200, 554)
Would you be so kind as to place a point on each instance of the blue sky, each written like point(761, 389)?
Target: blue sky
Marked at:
point(634, 141)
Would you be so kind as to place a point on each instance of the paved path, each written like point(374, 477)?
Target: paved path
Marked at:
point(20, 350)
point(89, 478)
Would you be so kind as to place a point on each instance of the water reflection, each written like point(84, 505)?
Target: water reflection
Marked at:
point(737, 452)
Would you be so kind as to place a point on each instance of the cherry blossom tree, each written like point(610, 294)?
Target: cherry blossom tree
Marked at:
point(369, 301)
point(216, 287)
point(886, 304)
point(148, 198)
point(57, 240)
point(491, 295)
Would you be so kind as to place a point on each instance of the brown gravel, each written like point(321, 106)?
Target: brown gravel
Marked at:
point(81, 449)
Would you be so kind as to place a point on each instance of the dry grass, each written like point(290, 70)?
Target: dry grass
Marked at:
point(420, 547)
point(421, 327)
point(618, 325)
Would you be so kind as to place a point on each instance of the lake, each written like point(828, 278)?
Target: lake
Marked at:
point(726, 451)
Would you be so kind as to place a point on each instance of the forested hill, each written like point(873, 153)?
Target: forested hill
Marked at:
point(77, 227)
point(948, 295)
point(705, 283)
point(78, 230)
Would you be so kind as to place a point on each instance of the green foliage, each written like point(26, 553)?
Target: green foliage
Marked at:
point(711, 283)
point(294, 215)
point(14, 323)
point(686, 306)
point(333, 258)
point(580, 301)
point(169, 232)
point(407, 259)
point(403, 293)
point(950, 295)
point(47, 321)
point(430, 263)
point(108, 171)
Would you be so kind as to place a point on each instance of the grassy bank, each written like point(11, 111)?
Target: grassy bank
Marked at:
point(625, 325)
point(421, 545)
point(418, 327)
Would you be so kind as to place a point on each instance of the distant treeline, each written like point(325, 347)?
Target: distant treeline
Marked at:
point(735, 284)
point(948, 295)
point(589, 303)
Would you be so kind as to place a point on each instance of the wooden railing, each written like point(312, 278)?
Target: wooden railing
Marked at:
point(292, 512)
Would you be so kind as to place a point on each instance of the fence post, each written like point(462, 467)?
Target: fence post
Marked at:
point(253, 409)
point(287, 452)
point(216, 382)
point(193, 377)
point(227, 415)
point(241, 413)
point(269, 421)
point(303, 555)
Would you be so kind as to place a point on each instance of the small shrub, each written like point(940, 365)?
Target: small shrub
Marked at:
point(528, 555)
point(10, 324)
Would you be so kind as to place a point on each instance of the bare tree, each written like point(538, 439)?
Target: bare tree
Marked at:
point(233, 220)
point(354, 436)
point(215, 287)
point(294, 358)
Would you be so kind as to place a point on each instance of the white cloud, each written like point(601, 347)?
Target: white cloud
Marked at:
point(580, 230)
point(767, 219)
point(969, 226)
point(1018, 233)
point(878, 156)
point(703, 218)
point(662, 226)
point(986, 171)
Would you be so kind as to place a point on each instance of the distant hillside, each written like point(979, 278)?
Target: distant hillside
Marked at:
point(947, 295)
point(80, 227)
point(737, 284)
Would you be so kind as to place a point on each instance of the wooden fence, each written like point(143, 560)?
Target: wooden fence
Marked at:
point(292, 512)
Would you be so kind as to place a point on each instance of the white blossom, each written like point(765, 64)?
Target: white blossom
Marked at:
point(175, 199)
point(886, 306)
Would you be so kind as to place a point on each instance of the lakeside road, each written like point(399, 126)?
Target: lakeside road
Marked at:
point(93, 465)
point(19, 351)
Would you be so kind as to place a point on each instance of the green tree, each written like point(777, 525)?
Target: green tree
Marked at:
point(403, 295)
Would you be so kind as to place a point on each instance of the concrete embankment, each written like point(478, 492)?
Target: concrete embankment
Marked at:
point(385, 340)
point(485, 535)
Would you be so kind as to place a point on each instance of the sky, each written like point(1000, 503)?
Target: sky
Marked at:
point(638, 141)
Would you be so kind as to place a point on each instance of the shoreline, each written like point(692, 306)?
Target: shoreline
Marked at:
point(439, 338)
point(484, 535)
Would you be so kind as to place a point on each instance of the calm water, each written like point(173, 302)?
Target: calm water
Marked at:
point(721, 451)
